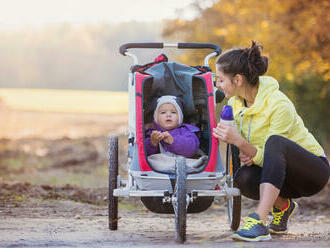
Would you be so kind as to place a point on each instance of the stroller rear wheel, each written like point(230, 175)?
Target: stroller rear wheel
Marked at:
point(113, 174)
point(233, 203)
point(180, 205)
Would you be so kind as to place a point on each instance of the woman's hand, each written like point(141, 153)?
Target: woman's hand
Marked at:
point(246, 160)
point(168, 138)
point(226, 133)
point(229, 134)
point(155, 137)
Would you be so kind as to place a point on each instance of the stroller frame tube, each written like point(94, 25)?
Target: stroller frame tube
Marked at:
point(130, 191)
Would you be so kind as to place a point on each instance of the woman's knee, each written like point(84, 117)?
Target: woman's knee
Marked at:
point(247, 175)
point(247, 179)
point(242, 177)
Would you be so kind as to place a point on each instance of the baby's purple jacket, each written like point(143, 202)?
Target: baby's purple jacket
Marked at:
point(186, 142)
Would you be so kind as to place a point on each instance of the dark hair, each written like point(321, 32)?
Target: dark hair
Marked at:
point(245, 61)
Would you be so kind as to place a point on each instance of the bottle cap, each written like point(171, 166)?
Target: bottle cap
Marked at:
point(227, 113)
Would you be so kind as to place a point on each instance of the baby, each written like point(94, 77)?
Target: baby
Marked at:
point(169, 131)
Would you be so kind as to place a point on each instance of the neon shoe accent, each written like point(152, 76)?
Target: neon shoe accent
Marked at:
point(286, 206)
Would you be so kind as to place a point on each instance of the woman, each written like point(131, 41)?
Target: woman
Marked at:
point(282, 160)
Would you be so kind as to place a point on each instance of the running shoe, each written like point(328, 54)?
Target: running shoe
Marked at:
point(281, 218)
point(253, 230)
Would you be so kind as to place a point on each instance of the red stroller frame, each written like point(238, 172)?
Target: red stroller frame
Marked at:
point(144, 166)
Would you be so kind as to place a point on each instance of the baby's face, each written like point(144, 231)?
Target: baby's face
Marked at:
point(168, 117)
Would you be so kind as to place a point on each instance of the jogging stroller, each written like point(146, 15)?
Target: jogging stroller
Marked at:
point(180, 189)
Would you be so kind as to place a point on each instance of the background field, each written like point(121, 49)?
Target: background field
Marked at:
point(67, 101)
point(59, 137)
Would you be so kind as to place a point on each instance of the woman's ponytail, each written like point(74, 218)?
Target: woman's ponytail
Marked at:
point(246, 61)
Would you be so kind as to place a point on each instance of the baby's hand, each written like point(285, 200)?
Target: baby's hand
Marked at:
point(155, 137)
point(168, 138)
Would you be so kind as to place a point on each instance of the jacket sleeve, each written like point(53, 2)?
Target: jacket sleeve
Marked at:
point(186, 144)
point(281, 121)
point(151, 149)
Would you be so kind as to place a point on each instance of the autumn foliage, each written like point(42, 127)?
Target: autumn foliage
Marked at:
point(295, 36)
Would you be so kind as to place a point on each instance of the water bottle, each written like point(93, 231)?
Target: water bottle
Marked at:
point(227, 117)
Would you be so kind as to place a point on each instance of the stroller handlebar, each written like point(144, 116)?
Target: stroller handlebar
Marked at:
point(123, 48)
point(215, 47)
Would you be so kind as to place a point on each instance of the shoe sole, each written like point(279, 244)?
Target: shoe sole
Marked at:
point(295, 210)
point(256, 239)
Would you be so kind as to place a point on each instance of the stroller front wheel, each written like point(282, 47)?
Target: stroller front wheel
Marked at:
point(180, 205)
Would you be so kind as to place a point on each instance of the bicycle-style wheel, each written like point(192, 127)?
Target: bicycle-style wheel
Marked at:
point(113, 175)
point(233, 202)
point(180, 204)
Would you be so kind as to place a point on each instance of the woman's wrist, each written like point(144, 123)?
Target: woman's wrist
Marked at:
point(240, 142)
point(246, 147)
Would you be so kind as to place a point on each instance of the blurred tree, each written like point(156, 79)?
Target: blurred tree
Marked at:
point(65, 56)
point(295, 35)
point(314, 110)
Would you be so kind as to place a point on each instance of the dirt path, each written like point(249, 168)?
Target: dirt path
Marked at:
point(84, 225)
point(40, 217)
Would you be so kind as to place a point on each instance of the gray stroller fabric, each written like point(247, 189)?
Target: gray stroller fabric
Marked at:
point(165, 162)
point(174, 79)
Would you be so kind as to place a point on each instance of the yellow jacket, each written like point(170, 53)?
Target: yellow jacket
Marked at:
point(272, 113)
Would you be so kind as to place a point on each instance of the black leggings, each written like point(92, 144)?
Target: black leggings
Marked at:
point(293, 170)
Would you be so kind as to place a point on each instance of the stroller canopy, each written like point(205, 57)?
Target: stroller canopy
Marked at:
point(173, 79)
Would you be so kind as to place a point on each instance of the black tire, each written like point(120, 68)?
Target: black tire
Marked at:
point(156, 205)
point(113, 175)
point(233, 203)
point(180, 209)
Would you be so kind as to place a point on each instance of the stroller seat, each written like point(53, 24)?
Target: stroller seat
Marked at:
point(165, 162)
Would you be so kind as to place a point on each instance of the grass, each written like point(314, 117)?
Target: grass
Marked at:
point(67, 101)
